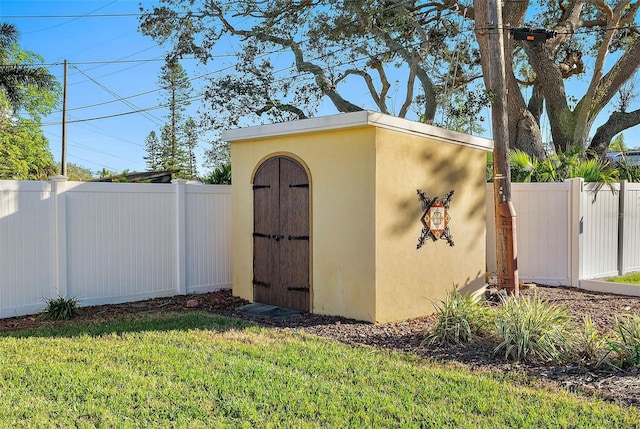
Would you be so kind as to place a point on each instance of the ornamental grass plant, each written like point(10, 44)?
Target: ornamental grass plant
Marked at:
point(624, 343)
point(61, 308)
point(587, 345)
point(460, 318)
point(529, 329)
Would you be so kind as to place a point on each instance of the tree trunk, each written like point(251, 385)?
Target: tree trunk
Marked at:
point(528, 135)
point(561, 118)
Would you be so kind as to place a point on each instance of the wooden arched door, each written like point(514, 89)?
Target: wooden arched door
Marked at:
point(281, 234)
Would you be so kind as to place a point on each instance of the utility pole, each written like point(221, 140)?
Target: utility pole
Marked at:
point(63, 160)
point(505, 214)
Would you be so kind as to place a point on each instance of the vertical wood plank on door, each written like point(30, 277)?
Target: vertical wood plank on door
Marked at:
point(266, 221)
point(294, 225)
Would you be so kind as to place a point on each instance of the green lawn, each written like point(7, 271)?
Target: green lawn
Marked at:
point(631, 278)
point(197, 370)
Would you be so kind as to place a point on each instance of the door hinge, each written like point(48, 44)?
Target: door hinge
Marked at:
point(259, 283)
point(298, 289)
point(259, 234)
point(260, 186)
point(298, 237)
point(300, 185)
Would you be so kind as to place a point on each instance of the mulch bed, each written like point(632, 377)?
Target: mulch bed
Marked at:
point(622, 387)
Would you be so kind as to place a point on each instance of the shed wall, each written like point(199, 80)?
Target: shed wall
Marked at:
point(408, 280)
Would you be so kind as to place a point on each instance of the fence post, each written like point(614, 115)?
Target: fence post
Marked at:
point(58, 188)
point(181, 269)
point(621, 210)
point(575, 229)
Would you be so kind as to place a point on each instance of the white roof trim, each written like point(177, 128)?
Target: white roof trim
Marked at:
point(357, 119)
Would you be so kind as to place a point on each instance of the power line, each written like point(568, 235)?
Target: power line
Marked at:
point(150, 91)
point(133, 112)
point(100, 15)
point(156, 121)
point(115, 115)
point(106, 133)
point(104, 62)
point(80, 16)
point(83, 146)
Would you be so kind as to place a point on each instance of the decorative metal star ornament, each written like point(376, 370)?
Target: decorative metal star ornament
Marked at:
point(435, 218)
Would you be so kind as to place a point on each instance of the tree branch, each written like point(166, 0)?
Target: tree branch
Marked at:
point(572, 19)
point(413, 68)
point(617, 122)
point(271, 104)
point(323, 83)
point(379, 98)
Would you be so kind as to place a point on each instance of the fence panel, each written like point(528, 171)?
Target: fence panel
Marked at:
point(630, 240)
point(208, 237)
point(599, 231)
point(110, 242)
point(26, 246)
point(121, 241)
point(542, 229)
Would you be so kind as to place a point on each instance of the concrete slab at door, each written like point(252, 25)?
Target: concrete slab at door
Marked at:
point(281, 234)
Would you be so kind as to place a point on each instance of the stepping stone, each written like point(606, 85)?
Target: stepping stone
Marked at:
point(264, 310)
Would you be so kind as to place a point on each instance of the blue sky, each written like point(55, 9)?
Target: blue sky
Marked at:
point(110, 59)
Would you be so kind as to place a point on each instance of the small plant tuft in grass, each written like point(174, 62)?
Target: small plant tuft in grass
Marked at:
point(625, 342)
point(61, 308)
point(531, 329)
point(460, 318)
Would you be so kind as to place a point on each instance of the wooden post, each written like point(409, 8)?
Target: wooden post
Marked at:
point(505, 218)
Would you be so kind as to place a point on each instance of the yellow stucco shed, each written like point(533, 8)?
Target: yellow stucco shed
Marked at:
point(328, 217)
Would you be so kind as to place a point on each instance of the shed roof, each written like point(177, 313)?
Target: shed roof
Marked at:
point(354, 120)
point(163, 176)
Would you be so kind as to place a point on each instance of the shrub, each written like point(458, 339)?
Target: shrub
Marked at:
point(628, 170)
point(594, 170)
point(625, 342)
point(61, 308)
point(530, 328)
point(460, 318)
point(219, 176)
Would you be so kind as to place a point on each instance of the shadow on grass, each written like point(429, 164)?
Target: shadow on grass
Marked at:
point(170, 321)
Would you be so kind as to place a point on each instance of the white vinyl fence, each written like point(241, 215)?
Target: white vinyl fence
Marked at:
point(110, 242)
point(571, 231)
point(117, 242)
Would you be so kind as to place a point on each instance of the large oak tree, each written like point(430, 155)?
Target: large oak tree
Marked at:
point(395, 57)
point(292, 54)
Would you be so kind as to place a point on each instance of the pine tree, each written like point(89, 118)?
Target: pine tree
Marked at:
point(154, 152)
point(165, 149)
point(177, 88)
point(191, 142)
